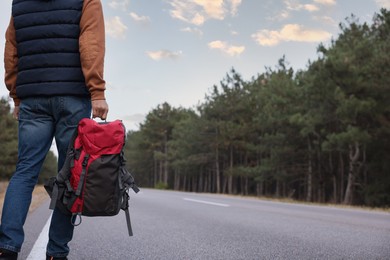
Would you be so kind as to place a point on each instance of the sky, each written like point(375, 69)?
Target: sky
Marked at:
point(175, 51)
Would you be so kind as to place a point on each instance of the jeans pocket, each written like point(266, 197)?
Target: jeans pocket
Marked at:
point(75, 108)
point(28, 109)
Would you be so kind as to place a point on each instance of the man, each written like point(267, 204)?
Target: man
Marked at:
point(54, 55)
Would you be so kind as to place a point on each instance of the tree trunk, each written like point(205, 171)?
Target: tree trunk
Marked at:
point(206, 183)
point(341, 169)
point(185, 182)
point(259, 188)
point(334, 179)
point(200, 184)
point(364, 165)
point(161, 171)
point(224, 185)
point(309, 174)
point(155, 173)
point(230, 177)
point(176, 182)
point(277, 193)
point(194, 184)
point(166, 159)
point(246, 187)
point(217, 171)
point(321, 186)
point(354, 153)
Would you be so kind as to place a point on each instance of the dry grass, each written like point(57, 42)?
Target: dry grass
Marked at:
point(38, 197)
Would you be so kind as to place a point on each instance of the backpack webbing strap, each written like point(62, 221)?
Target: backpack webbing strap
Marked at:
point(54, 196)
point(128, 179)
point(125, 207)
point(64, 172)
point(135, 188)
point(129, 229)
point(82, 175)
point(67, 193)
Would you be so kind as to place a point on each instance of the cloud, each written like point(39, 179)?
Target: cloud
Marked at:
point(133, 121)
point(197, 12)
point(234, 6)
point(326, 19)
point(293, 6)
point(290, 32)
point(213, 9)
point(284, 14)
point(115, 28)
point(296, 6)
point(140, 19)
point(163, 54)
point(198, 19)
point(192, 30)
point(311, 8)
point(267, 38)
point(119, 4)
point(134, 117)
point(326, 2)
point(230, 50)
point(383, 3)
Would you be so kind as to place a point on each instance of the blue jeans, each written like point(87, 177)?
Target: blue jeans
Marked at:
point(40, 120)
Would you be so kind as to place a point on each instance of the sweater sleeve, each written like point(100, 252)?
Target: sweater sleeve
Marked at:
point(92, 47)
point(11, 61)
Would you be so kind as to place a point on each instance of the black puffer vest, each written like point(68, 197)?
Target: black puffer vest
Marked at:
point(47, 36)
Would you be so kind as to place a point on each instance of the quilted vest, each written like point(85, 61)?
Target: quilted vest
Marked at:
point(47, 36)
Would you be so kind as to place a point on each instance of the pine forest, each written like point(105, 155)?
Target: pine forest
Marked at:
point(321, 134)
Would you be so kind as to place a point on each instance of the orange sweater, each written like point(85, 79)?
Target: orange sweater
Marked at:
point(91, 45)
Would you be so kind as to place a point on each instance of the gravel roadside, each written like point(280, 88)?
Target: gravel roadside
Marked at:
point(38, 197)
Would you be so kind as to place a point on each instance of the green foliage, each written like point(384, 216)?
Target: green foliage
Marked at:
point(161, 185)
point(9, 147)
point(139, 158)
point(8, 141)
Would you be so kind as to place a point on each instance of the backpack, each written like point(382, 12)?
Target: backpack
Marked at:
point(94, 180)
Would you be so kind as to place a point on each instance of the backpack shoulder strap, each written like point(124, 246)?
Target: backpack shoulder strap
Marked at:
point(64, 173)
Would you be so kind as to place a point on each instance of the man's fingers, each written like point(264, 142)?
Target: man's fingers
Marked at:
point(100, 112)
point(15, 113)
point(99, 109)
point(104, 117)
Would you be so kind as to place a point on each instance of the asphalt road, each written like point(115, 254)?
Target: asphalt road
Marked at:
point(176, 225)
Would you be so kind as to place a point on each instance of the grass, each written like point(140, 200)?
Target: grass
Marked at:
point(38, 197)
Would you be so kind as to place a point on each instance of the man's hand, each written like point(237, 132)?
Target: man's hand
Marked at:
point(99, 109)
point(15, 113)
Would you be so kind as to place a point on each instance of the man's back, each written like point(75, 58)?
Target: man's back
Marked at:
point(47, 36)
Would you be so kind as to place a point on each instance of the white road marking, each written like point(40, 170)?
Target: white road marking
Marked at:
point(38, 252)
point(207, 202)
